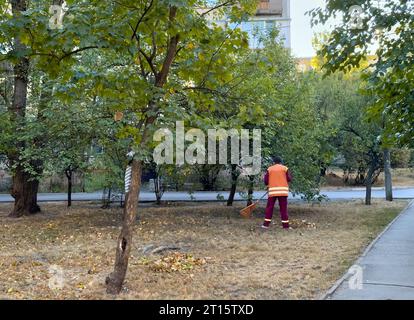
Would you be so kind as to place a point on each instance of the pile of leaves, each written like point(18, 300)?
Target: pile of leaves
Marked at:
point(175, 262)
point(303, 224)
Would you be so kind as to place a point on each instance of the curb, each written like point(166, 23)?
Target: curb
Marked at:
point(339, 282)
point(333, 189)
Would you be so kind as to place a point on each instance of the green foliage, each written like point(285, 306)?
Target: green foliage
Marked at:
point(389, 25)
point(356, 141)
point(300, 136)
point(158, 62)
point(138, 58)
point(400, 158)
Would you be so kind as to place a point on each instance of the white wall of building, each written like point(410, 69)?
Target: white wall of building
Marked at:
point(261, 23)
point(265, 22)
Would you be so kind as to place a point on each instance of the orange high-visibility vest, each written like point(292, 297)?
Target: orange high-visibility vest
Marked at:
point(278, 184)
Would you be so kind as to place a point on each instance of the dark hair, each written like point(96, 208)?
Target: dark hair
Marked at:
point(277, 160)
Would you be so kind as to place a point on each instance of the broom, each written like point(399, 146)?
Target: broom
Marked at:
point(247, 212)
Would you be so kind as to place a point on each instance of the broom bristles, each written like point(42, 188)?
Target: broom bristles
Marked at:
point(247, 212)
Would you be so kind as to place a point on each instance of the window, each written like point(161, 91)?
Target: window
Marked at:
point(270, 7)
point(264, 5)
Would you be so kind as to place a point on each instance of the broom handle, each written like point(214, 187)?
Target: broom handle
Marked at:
point(262, 197)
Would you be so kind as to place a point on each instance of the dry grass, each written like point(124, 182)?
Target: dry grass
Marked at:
point(222, 256)
point(400, 178)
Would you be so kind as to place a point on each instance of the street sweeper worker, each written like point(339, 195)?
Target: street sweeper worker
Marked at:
point(277, 180)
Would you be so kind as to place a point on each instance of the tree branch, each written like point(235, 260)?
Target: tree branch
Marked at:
point(149, 61)
point(142, 67)
point(216, 7)
point(146, 10)
point(213, 55)
point(353, 131)
point(68, 54)
point(154, 43)
point(171, 52)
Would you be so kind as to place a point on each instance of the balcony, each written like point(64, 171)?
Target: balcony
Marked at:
point(270, 7)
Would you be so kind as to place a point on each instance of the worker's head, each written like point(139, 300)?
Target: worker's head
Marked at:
point(277, 160)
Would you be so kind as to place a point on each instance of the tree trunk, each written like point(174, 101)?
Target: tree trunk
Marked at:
point(250, 192)
point(115, 280)
point(106, 200)
point(233, 188)
point(24, 187)
point(24, 191)
point(368, 184)
point(208, 176)
point(368, 194)
point(82, 182)
point(323, 171)
point(388, 176)
point(121, 202)
point(234, 177)
point(158, 190)
point(69, 175)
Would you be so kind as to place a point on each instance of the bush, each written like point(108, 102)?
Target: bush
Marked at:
point(411, 164)
point(5, 182)
point(401, 158)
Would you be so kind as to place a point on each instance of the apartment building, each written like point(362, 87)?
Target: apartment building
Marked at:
point(270, 13)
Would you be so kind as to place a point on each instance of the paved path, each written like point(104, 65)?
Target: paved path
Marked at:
point(387, 266)
point(343, 194)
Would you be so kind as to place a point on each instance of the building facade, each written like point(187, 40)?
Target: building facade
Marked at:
point(270, 13)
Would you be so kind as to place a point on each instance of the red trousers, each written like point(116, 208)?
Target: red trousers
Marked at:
point(283, 203)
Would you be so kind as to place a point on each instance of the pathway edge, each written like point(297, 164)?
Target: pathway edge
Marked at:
point(339, 282)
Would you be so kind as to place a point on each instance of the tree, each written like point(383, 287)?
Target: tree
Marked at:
point(362, 66)
point(24, 188)
point(390, 76)
point(387, 173)
point(174, 45)
point(252, 100)
point(78, 122)
point(107, 170)
point(157, 173)
point(6, 86)
point(300, 136)
point(29, 46)
point(356, 138)
point(71, 130)
point(235, 174)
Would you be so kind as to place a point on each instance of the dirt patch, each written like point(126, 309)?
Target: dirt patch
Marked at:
point(185, 252)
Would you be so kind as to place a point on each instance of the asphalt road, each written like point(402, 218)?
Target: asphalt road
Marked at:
point(145, 196)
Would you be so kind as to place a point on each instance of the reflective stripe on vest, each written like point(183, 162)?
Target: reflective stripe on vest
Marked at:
point(278, 184)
